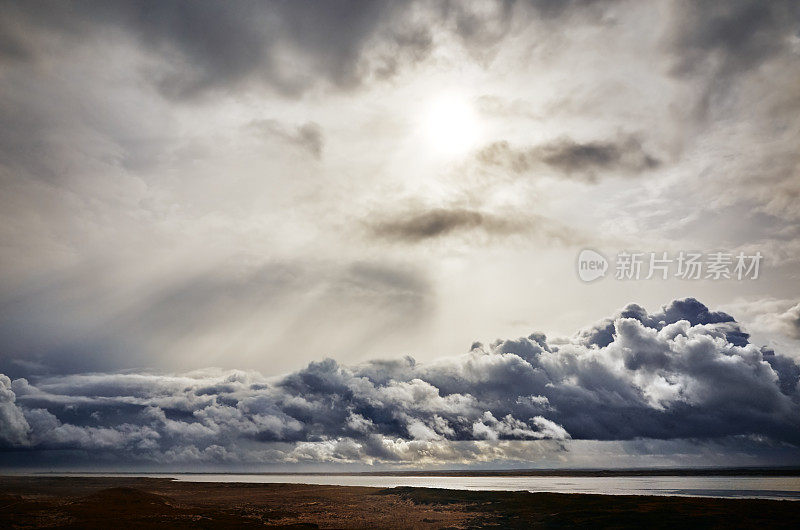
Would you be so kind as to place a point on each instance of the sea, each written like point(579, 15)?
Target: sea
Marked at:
point(755, 487)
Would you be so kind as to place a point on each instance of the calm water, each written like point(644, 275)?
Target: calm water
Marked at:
point(738, 487)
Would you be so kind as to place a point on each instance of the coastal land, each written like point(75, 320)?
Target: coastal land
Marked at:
point(136, 502)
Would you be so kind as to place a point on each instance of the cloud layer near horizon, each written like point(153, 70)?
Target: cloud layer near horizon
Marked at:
point(681, 373)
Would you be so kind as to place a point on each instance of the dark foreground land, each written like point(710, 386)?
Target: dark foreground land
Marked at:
point(80, 502)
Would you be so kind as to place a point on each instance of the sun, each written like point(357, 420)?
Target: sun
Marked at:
point(450, 125)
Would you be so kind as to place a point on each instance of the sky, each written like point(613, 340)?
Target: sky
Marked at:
point(346, 235)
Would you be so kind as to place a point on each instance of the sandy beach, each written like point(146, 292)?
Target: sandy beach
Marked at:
point(83, 502)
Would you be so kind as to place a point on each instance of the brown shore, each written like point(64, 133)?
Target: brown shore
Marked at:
point(134, 502)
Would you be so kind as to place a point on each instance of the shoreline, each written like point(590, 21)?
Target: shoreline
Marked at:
point(719, 485)
point(93, 502)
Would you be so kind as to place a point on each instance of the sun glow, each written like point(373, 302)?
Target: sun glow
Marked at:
point(450, 125)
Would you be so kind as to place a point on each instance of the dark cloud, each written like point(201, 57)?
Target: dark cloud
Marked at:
point(208, 46)
point(689, 309)
point(580, 160)
point(730, 37)
point(66, 112)
point(11, 44)
point(482, 27)
point(673, 374)
point(718, 44)
point(427, 224)
point(13, 427)
point(211, 46)
point(407, 45)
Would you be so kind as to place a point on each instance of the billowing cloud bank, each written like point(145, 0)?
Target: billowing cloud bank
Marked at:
point(682, 373)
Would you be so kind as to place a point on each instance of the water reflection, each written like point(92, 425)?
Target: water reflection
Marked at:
point(732, 487)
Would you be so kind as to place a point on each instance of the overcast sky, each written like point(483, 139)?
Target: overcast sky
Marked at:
point(202, 201)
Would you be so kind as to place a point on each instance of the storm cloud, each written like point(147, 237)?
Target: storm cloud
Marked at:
point(571, 159)
point(684, 372)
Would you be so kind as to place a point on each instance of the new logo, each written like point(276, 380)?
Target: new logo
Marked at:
point(591, 265)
